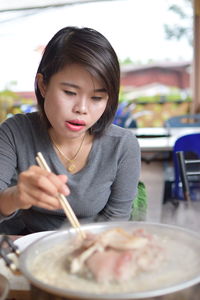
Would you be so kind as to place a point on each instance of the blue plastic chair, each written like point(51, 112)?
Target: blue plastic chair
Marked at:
point(190, 120)
point(190, 144)
point(124, 118)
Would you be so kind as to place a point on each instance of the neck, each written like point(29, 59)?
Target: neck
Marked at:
point(63, 141)
point(69, 156)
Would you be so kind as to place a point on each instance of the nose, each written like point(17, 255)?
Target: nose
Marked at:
point(80, 107)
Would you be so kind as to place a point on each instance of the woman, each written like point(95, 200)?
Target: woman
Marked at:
point(93, 162)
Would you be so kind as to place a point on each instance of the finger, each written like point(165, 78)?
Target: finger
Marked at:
point(46, 205)
point(41, 199)
point(38, 170)
point(36, 178)
point(50, 184)
point(63, 178)
point(60, 182)
point(29, 197)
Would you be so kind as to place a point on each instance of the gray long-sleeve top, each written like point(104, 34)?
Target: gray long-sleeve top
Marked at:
point(103, 190)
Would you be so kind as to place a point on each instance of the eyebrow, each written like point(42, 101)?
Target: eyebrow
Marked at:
point(101, 90)
point(70, 85)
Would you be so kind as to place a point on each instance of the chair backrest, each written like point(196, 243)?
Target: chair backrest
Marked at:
point(186, 173)
point(190, 144)
point(190, 120)
point(124, 117)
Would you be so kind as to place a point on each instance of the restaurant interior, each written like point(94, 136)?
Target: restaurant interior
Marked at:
point(168, 132)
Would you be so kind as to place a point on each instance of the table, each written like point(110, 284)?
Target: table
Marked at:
point(159, 141)
point(157, 144)
point(159, 138)
point(19, 287)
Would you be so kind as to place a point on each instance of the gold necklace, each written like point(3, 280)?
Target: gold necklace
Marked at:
point(71, 167)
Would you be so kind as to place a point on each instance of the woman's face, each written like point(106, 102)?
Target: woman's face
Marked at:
point(74, 100)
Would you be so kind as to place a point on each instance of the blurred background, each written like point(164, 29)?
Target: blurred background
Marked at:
point(152, 38)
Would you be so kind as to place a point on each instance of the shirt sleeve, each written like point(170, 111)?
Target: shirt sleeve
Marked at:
point(8, 158)
point(124, 187)
point(7, 161)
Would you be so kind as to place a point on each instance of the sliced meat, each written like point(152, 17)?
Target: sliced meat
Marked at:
point(116, 255)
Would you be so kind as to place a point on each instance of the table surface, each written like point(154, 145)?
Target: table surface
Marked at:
point(156, 139)
point(16, 281)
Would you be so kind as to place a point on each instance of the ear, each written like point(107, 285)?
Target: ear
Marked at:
point(41, 85)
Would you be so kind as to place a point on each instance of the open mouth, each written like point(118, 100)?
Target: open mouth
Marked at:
point(74, 125)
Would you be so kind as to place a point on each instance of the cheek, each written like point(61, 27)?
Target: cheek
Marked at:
point(104, 106)
point(50, 107)
point(53, 101)
point(47, 105)
point(47, 109)
point(100, 109)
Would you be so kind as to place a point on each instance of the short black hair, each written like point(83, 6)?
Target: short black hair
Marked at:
point(89, 48)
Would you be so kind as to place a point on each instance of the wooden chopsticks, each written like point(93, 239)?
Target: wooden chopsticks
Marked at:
point(65, 204)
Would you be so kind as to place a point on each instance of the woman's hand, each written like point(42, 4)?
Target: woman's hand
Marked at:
point(40, 188)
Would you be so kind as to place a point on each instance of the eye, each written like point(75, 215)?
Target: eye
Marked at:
point(96, 98)
point(70, 93)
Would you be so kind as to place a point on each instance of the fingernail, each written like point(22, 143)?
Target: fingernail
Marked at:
point(65, 190)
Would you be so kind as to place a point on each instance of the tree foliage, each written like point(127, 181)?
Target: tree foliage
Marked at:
point(181, 28)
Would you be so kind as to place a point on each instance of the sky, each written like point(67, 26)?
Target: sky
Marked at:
point(134, 28)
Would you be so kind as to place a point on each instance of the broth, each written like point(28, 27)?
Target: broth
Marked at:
point(182, 263)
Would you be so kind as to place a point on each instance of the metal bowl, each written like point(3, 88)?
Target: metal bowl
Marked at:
point(189, 286)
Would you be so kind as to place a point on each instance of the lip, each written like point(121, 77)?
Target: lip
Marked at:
point(79, 122)
point(75, 125)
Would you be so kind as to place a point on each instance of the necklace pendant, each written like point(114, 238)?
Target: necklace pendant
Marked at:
point(71, 168)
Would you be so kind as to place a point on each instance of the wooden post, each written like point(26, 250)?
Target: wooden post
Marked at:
point(196, 59)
